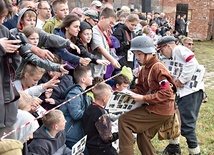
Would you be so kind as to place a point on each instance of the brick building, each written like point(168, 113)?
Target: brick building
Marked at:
point(199, 12)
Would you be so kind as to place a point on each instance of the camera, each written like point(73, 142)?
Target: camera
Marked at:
point(167, 26)
point(24, 45)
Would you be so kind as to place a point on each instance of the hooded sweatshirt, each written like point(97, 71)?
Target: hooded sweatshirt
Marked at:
point(44, 144)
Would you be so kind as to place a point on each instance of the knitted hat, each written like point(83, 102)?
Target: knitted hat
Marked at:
point(127, 72)
point(84, 25)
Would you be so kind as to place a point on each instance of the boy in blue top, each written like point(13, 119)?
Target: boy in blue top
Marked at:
point(73, 110)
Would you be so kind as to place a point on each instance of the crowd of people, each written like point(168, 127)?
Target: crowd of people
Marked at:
point(51, 54)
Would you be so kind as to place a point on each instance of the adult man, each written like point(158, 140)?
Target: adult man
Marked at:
point(189, 101)
point(96, 5)
point(147, 119)
point(91, 16)
point(188, 42)
point(44, 13)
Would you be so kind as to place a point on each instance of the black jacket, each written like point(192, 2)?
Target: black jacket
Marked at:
point(58, 92)
point(121, 33)
point(43, 144)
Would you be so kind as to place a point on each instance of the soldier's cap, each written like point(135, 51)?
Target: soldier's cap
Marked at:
point(165, 40)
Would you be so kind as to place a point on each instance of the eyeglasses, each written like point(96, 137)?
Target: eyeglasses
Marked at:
point(47, 9)
point(79, 15)
point(190, 44)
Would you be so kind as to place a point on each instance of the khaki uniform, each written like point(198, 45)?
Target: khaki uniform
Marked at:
point(147, 119)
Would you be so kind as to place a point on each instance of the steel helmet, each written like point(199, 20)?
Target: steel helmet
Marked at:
point(143, 44)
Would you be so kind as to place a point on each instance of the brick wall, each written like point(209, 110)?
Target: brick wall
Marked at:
point(200, 10)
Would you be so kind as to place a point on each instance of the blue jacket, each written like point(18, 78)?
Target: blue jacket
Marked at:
point(11, 22)
point(63, 52)
point(73, 112)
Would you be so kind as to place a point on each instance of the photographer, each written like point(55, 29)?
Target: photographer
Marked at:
point(165, 28)
point(8, 106)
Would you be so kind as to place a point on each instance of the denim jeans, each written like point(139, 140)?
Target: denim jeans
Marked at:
point(189, 108)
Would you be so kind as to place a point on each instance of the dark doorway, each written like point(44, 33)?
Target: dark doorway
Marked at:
point(210, 35)
point(146, 6)
point(182, 9)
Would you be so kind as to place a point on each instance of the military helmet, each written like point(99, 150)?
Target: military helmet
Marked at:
point(143, 44)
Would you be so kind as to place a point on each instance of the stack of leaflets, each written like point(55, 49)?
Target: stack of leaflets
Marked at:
point(175, 68)
point(122, 102)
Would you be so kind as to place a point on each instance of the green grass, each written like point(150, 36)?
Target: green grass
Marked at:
point(205, 125)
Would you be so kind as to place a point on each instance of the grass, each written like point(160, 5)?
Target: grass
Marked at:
point(205, 125)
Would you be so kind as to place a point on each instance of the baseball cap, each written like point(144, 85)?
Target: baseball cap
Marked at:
point(96, 3)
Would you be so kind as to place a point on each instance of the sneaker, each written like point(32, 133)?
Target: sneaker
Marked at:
point(171, 149)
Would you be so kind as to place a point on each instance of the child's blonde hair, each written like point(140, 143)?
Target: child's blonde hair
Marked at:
point(24, 102)
point(31, 69)
point(100, 90)
point(52, 118)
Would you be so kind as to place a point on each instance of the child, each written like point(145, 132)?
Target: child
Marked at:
point(32, 35)
point(73, 110)
point(50, 138)
point(28, 17)
point(56, 94)
point(99, 136)
point(121, 82)
point(101, 42)
point(60, 9)
point(29, 77)
point(95, 81)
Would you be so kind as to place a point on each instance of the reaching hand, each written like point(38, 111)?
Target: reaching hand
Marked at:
point(35, 102)
point(103, 62)
point(48, 93)
point(51, 83)
point(84, 61)
point(73, 46)
point(50, 100)
point(42, 53)
point(45, 54)
point(9, 45)
point(116, 64)
point(62, 69)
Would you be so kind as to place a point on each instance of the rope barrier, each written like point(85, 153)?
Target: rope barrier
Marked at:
point(26, 124)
